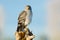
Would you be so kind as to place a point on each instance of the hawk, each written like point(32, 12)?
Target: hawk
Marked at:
point(24, 18)
point(26, 15)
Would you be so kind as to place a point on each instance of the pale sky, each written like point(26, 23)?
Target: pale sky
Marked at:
point(14, 7)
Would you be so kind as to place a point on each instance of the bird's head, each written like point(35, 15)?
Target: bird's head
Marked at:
point(28, 7)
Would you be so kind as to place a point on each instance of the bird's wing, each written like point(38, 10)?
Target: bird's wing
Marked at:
point(22, 15)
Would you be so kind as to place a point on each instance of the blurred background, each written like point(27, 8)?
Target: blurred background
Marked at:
point(45, 24)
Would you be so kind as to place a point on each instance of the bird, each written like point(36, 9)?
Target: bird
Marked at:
point(24, 18)
point(26, 15)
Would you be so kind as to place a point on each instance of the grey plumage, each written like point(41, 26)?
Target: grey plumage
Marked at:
point(25, 16)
